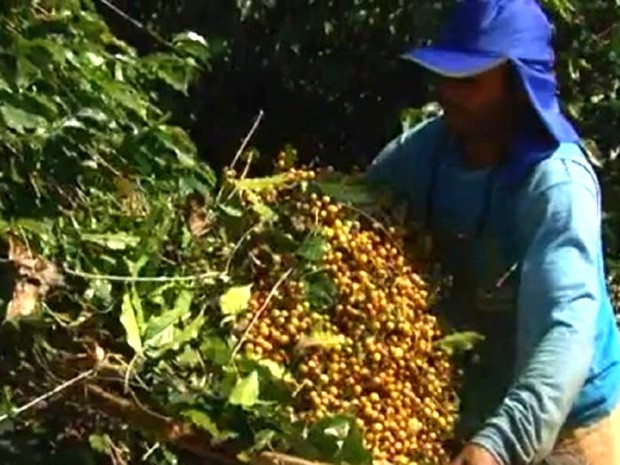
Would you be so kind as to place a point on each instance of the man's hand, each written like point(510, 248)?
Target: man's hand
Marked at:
point(473, 454)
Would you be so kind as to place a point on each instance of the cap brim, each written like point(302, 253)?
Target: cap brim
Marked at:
point(450, 63)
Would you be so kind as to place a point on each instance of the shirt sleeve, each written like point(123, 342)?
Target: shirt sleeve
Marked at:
point(557, 308)
point(403, 167)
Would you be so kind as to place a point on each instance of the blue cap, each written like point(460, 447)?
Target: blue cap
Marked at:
point(482, 34)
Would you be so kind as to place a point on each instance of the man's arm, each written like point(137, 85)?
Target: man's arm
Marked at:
point(558, 304)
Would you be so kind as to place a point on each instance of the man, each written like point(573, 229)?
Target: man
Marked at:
point(513, 206)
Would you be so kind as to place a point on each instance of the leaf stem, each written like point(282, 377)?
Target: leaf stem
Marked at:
point(146, 279)
point(241, 148)
point(257, 315)
point(58, 389)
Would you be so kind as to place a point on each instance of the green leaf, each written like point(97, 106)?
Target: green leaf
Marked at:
point(193, 44)
point(46, 52)
point(231, 211)
point(99, 443)
point(178, 141)
point(174, 338)
point(5, 226)
point(183, 302)
point(157, 325)
point(93, 115)
point(321, 291)
point(236, 299)
point(216, 350)
point(127, 97)
point(459, 342)
point(43, 227)
point(27, 72)
point(112, 241)
point(275, 369)
point(263, 211)
point(339, 439)
point(564, 7)
point(280, 241)
point(352, 450)
point(356, 193)
point(190, 184)
point(20, 120)
point(323, 339)
point(99, 289)
point(312, 248)
point(261, 184)
point(264, 439)
point(246, 391)
point(190, 332)
point(172, 70)
point(203, 421)
point(129, 320)
point(4, 85)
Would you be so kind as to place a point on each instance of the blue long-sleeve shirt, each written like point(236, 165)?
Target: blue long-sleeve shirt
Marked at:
point(547, 228)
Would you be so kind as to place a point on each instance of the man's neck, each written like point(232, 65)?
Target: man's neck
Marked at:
point(480, 153)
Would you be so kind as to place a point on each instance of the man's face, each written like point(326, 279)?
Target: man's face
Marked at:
point(478, 105)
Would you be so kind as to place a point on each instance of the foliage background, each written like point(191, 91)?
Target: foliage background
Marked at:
point(327, 75)
point(324, 72)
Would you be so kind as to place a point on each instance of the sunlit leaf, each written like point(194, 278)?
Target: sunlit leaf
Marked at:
point(459, 342)
point(172, 70)
point(246, 391)
point(20, 120)
point(100, 443)
point(338, 439)
point(275, 369)
point(261, 184)
point(264, 211)
point(193, 44)
point(231, 211)
point(321, 339)
point(129, 320)
point(113, 241)
point(158, 324)
point(190, 331)
point(179, 142)
point(236, 299)
point(203, 421)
